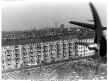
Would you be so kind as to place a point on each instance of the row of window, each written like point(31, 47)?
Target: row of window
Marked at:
point(86, 40)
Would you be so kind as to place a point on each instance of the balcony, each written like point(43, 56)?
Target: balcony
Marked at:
point(17, 51)
point(58, 55)
point(38, 45)
point(70, 47)
point(16, 46)
point(39, 56)
point(38, 52)
point(38, 48)
point(70, 44)
point(31, 55)
point(59, 49)
point(63, 44)
point(65, 49)
point(8, 55)
point(24, 59)
point(31, 51)
point(17, 60)
point(17, 56)
point(53, 57)
point(31, 48)
point(64, 54)
point(9, 51)
point(45, 51)
point(45, 48)
point(8, 62)
point(24, 51)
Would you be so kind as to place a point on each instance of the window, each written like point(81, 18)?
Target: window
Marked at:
point(81, 47)
point(3, 62)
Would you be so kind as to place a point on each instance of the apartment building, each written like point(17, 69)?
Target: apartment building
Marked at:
point(38, 52)
point(82, 50)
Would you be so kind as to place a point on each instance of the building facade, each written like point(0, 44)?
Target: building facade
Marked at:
point(82, 50)
point(18, 56)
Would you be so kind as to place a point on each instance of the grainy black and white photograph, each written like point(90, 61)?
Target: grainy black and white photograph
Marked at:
point(45, 40)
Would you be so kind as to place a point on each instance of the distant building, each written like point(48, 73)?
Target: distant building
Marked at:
point(62, 26)
point(55, 24)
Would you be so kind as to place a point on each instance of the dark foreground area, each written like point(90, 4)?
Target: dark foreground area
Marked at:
point(77, 70)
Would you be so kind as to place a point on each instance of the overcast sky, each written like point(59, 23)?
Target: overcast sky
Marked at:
point(24, 15)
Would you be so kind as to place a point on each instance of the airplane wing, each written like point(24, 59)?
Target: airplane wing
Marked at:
point(98, 34)
point(91, 20)
point(97, 24)
point(86, 25)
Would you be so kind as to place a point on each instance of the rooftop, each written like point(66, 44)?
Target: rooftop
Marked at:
point(44, 39)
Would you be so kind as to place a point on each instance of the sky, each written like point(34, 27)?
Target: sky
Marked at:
point(27, 14)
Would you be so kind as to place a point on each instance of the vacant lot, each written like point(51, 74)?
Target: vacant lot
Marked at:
point(78, 70)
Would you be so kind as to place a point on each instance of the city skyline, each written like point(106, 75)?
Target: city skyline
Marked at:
point(24, 15)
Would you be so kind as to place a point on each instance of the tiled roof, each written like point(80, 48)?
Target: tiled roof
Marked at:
point(86, 37)
point(45, 39)
point(17, 42)
point(68, 37)
point(27, 41)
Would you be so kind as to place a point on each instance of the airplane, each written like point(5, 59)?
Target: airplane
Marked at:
point(100, 43)
point(91, 20)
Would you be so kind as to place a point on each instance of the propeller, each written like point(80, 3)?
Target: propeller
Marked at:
point(97, 22)
point(99, 40)
point(97, 26)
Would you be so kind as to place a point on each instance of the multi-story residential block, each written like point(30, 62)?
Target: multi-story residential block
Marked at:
point(17, 56)
point(52, 46)
point(82, 50)
point(44, 50)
